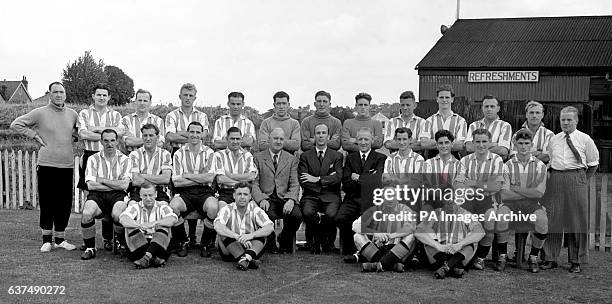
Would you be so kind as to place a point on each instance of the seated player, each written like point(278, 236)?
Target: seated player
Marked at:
point(107, 178)
point(449, 243)
point(482, 172)
point(232, 165)
point(383, 244)
point(403, 167)
point(440, 170)
point(147, 228)
point(524, 185)
point(242, 228)
point(192, 178)
point(150, 164)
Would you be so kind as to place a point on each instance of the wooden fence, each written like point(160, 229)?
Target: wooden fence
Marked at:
point(18, 189)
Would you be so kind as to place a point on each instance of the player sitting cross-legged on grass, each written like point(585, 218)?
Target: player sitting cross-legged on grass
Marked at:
point(450, 243)
point(242, 228)
point(384, 243)
point(147, 228)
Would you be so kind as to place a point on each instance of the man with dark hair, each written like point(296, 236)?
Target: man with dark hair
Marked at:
point(574, 159)
point(403, 167)
point(235, 118)
point(320, 173)
point(150, 164)
point(362, 173)
point(449, 242)
point(92, 121)
point(147, 229)
point(107, 177)
point(193, 177)
point(242, 228)
point(276, 189)
point(232, 165)
point(440, 171)
point(52, 126)
point(133, 122)
point(483, 171)
point(501, 131)
point(281, 119)
point(363, 119)
point(409, 120)
point(321, 116)
point(524, 186)
point(445, 119)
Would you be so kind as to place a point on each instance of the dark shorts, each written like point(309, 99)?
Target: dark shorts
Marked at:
point(106, 200)
point(479, 206)
point(194, 198)
point(82, 184)
point(524, 206)
point(226, 195)
point(161, 193)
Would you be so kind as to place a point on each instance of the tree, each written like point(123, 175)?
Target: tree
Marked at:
point(80, 76)
point(121, 86)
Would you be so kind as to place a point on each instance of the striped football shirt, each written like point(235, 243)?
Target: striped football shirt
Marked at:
point(141, 214)
point(396, 164)
point(185, 161)
point(91, 117)
point(225, 122)
point(178, 121)
point(490, 169)
point(530, 175)
point(143, 162)
point(501, 132)
point(117, 167)
point(541, 139)
point(369, 222)
point(444, 172)
point(451, 232)
point(254, 218)
point(454, 123)
point(132, 124)
point(416, 124)
point(226, 163)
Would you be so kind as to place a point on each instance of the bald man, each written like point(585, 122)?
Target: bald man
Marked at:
point(276, 187)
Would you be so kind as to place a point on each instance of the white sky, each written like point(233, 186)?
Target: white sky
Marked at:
point(257, 47)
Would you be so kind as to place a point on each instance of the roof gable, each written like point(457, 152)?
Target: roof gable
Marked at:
point(11, 87)
point(523, 42)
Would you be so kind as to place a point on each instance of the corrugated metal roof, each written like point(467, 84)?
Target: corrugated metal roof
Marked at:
point(523, 42)
point(548, 89)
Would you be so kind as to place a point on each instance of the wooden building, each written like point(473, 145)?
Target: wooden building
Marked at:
point(558, 61)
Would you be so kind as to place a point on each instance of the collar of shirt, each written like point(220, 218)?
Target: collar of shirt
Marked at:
point(414, 117)
point(452, 159)
point(227, 116)
point(193, 111)
point(489, 155)
point(451, 112)
point(116, 156)
point(397, 154)
point(241, 152)
point(135, 114)
point(106, 109)
point(202, 148)
point(153, 209)
point(144, 151)
point(323, 150)
point(516, 160)
point(361, 154)
point(526, 125)
point(272, 154)
point(482, 121)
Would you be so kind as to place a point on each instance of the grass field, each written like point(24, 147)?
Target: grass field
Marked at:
point(301, 278)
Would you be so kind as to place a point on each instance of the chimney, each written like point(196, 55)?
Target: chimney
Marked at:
point(25, 82)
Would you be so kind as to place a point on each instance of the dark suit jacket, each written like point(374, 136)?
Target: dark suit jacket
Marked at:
point(284, 178)
point(370, 177)
point(330, 171)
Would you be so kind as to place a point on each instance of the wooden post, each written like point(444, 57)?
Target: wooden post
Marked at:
point(75, 183)
point(20, 176)
point(34, 180)
point(604, 214)
point(1, 183)
point(28, 180)
point(13, 181)
point(592, 210)
point(7, 189)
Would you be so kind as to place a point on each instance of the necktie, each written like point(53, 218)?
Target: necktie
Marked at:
point(363, 160)
point(320, 157)
point(572, 147)
point(275, 161)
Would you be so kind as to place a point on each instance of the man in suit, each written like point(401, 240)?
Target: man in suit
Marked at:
point(276, 189)
point(320, 172)
point(361, 175)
